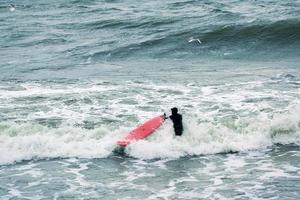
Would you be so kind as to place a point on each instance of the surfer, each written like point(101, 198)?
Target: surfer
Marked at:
point(177, 121)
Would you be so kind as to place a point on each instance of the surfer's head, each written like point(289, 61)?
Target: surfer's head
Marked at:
point(174, 110)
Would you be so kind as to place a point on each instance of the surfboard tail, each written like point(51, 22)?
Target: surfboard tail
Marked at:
point(123, 143)
point(119, 150)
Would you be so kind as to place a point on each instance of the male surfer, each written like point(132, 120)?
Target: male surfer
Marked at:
point(177, 121)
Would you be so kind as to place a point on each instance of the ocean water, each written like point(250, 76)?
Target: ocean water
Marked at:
point(77, 75)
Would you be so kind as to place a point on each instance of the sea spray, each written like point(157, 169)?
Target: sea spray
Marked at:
point(29, 141)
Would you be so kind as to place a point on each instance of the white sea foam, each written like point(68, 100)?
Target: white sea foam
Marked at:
point(217, 119)
point(207, 138)
point(25, 142)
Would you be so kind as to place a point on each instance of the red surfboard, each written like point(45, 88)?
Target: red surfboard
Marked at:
point(142, 131)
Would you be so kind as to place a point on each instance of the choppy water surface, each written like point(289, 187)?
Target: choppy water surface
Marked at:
point(77, 75)
point(264, 174)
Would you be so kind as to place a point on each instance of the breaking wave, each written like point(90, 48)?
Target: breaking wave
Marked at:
point(31, 141)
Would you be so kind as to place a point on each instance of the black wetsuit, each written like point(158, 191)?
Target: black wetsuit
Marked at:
point(177, 123)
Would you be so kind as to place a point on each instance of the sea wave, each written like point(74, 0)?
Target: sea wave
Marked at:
point(276, 32)
point(42, 36)
point(229, 40)
point(32, 141)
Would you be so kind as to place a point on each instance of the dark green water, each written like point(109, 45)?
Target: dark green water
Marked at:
point(75, 76)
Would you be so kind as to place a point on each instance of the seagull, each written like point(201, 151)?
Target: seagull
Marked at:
point(193, 39)
point(12, 7)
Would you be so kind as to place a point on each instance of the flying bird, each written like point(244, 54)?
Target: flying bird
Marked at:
point(195, 40)
point(12, 7)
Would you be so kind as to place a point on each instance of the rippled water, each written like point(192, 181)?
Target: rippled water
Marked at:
point(268, 174)
point(75, 76)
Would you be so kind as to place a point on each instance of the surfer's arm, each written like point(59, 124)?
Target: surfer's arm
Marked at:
point(165, 116)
